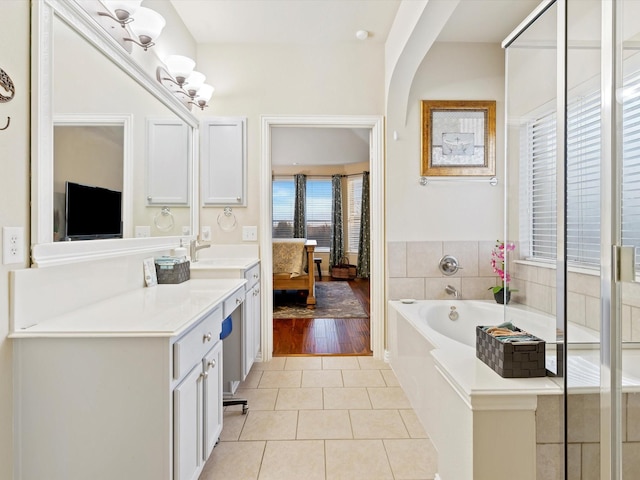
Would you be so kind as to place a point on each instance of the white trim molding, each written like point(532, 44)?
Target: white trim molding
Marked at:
point(377, 220)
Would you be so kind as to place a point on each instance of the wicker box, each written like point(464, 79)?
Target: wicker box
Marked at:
point(343, 271)
point(511, 360)
point(177, 273)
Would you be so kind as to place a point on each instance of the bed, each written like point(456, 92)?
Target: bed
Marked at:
point(293, 266)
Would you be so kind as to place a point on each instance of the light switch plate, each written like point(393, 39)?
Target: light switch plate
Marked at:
point(142, 231)
point(12, 245)
point(250, 234)
point(205, 234)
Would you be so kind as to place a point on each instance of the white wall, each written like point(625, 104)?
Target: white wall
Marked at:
point(254, 80)
point(14, 192)
point(445, 211)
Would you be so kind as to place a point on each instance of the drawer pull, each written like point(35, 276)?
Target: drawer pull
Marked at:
point(238, 301)
point(255, 275)
point(212, 364)
point(207, 337)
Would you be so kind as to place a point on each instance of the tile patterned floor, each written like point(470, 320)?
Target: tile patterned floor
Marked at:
point(322, 418)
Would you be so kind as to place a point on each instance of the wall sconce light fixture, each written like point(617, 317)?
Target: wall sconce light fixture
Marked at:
point(184, 82)
point(144, 24)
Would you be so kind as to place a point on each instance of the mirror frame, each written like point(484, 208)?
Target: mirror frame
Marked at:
point(45, 252)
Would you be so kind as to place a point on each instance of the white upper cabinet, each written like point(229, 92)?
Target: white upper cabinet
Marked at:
point(223, 159)
point(168, 153)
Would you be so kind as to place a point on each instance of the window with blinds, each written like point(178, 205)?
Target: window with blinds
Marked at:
point(318, 209)
point(583, 179)
point(354, 208)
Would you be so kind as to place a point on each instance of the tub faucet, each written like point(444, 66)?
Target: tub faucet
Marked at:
point(451, 290)
point(194, 247)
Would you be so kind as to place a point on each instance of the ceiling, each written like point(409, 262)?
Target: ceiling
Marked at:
point(336, 22)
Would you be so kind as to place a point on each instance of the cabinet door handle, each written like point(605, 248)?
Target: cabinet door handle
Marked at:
point(204, 375)
point(238, 301)
point(212, 364)
point(255, 275)
point(238, 199)
point(206, 337)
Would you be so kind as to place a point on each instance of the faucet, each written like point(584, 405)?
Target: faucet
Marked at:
point(194, 247)
point(451, 290)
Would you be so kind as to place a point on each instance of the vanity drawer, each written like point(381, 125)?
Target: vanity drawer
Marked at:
point(233, 301)
point(190, 348)
point(252, 276)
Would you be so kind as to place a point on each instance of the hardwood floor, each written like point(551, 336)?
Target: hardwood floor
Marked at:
point(326, 336)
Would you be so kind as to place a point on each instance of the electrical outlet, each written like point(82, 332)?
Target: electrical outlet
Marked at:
point(12, 245)
point(250, 234)
point(142, 231)
point(205, 234)
point(186, 230)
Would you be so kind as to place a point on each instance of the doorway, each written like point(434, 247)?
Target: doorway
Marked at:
point(377, 306)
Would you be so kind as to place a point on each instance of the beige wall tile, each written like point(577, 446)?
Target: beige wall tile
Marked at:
point(397, 259)
point(592, 309)
point(583, 418)
point(467, 255)
point(484, 259)
point(576, 308)
point(590, 461)
point(574, 460)
point(631, 460)
point(549, 427)
point(630, 294)
point(635, 324)
point(357, 459)
point(477, 288)
point(285, 460)
point(584, 284)
point(633, 417)
point(423, 259)
point(627, 326)
point(377, 424)
point(549, 463)
point(324, 424)
point(406, 288)
point(434, 287)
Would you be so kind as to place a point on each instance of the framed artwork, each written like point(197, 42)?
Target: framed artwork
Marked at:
point(458, 138)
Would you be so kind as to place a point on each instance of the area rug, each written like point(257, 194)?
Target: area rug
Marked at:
point(333, 300)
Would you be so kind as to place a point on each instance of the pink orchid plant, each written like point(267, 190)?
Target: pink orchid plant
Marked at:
point(497, 263)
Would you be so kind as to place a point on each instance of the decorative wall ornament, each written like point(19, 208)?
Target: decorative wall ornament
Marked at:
point(7, 86)
point(458, 138)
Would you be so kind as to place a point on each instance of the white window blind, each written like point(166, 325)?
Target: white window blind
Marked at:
point(354, 209)
point(583, 183)
point(283, 191)
point(319, 211)
point(631, 163)
point(583, 178)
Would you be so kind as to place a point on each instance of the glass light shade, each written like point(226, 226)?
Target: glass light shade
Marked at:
point(147, 24)
point(204, 94)
point(128, 6)
point(179, 66)
point(194, 82)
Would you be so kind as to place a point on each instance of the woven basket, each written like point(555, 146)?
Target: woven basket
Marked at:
point(344, 270)
point(511, 360)
point(178, 273)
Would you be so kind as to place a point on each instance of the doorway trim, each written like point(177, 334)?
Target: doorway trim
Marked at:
point(376, 166)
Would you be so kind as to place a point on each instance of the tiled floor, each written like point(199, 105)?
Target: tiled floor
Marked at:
point(324, 418)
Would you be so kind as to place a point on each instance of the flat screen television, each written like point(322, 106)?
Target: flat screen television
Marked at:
point(92, 212)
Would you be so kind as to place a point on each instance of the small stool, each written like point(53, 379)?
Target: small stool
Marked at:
point(318, 261)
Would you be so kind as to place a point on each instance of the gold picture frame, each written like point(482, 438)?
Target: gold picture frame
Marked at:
point(458, 138)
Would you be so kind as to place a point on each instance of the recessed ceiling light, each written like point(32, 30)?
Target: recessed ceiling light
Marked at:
point(362, 34)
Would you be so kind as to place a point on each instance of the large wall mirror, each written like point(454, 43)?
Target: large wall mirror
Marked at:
point(92, 110)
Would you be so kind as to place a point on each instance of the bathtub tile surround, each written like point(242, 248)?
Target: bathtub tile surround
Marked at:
point(413, 270)
point(360, 427)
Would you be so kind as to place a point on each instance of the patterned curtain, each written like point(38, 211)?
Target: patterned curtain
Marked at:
point(336, 252)
point(299, 216)
point(365, 238)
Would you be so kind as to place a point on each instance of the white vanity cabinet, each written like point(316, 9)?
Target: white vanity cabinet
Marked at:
point(223, 154)
point(128, 388)
point(252, 317)
point(197, 399)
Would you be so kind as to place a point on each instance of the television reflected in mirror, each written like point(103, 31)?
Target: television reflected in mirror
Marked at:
point(92, 212)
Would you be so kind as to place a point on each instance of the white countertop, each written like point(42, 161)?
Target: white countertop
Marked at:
point(160, 311)
point(224, 263)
